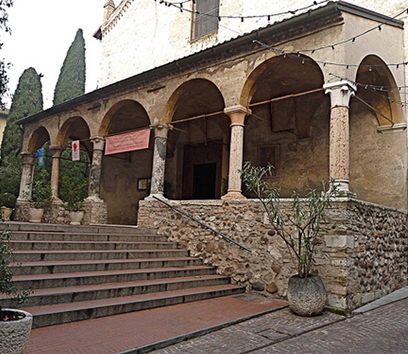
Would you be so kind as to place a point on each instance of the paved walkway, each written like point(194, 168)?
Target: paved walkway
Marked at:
point(380, 327)
point(377, 330)
point(114, 334)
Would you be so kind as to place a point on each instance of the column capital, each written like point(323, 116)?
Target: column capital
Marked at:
point(28, 157)
point(98, 142)
point(340, 92)
point(237, 114)
point(161, 129)
point(56, 150)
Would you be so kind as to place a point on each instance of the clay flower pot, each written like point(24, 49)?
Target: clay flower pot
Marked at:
point(14, 334)
point(307, 296)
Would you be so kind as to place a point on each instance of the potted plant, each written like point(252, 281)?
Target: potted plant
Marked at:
point(15, 325)
point(73, 194)
point(41, 198)
point(298, 225)
point(8, 203)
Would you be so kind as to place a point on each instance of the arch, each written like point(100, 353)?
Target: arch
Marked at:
point(289, 125)
point(187, 100)
point(373, 78)
point(122, 116)
point(281, 75)
point(39, 137)
point(75, 128)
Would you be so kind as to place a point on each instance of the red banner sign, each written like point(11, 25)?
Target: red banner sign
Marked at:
point(75, 150)
point(137, 140)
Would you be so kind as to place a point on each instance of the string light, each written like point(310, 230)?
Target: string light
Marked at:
point(268, 16)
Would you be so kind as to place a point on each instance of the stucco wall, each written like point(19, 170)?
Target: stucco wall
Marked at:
point(362, 257)
point(147, 34)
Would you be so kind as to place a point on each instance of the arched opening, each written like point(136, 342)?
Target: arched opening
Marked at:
point(289, 125)
point(377, 137)
point(125, 175)
point(74, 173)
point(197, 150)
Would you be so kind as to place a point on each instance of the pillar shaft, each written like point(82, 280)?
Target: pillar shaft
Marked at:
point(95, 172)
point(237, 115)
point(159, 158)
point(55, 172)
point(26, 177)
point(339, 159)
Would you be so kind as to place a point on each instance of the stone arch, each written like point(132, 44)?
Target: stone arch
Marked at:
point(124, 115)
point(289, 125)
point(196, 147)
point(125, 176)
point(75, 128)
point(376, 86)
point(39, 137)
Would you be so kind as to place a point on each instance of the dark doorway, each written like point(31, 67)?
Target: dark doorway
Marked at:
point(202, 171)
point(204, 181)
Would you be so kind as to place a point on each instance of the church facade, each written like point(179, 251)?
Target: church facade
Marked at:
point(319, 93)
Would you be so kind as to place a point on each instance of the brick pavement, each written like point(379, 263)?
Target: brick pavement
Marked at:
point(382, 330)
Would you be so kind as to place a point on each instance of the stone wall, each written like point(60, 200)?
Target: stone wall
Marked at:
point(362, 256)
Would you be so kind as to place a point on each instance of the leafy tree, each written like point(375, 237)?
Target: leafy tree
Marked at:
point(4, 5)
point(27, 100)
point(71, 81)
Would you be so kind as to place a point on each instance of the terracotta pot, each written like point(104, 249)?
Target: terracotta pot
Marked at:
point(35, 215)
point(76, 217)
point(14, 334)
point(307, 296)
point(6, 213)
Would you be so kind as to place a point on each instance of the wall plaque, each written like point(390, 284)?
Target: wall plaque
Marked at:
point(133, 141)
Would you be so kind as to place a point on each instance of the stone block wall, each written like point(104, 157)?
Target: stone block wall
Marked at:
point(361, 257)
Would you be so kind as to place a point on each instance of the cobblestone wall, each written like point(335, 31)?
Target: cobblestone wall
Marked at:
point(362, 256)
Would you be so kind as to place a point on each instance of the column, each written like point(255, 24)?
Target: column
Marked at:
point(95, 171)
point(161, 131)
point(339, 154)
point(237, 115)
point(55, 172)
point(26, 177)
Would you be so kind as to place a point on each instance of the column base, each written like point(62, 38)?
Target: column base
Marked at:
point(233, 195)
point(157, 195)
point(343, 188)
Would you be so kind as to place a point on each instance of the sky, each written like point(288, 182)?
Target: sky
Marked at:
point(42, 32)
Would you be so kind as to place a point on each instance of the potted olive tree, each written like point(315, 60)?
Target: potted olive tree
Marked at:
point(15, 325)
point(7, 203)
point(41, 196)
point(73, 194)
point(298, 223)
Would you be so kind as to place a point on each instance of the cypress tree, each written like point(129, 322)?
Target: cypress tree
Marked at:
point(71, 81)
point(27, 100)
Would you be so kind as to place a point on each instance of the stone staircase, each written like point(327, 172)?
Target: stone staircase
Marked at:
point(83, 272)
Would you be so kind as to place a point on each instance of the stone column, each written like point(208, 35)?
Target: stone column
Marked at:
point(95, 170)
point(55, 172)
point(27, 175)
point(237, 115)
point(340, 94)
point(161, 132)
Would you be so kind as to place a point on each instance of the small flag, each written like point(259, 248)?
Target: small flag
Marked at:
point(75, 150)
point(40, 155)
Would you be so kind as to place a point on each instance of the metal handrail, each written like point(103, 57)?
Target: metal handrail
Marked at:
point(202, 224)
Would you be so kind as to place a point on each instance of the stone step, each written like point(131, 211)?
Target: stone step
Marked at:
point(103, 229)
point(77, 311)
point(88, 245)
point(52, 296)
point(44, 281)
point(54, 267)
point(75, 236)
point(42, 255)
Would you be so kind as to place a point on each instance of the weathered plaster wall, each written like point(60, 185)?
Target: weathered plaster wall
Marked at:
point(147, 34)
point(378, 166)
point(363, 254)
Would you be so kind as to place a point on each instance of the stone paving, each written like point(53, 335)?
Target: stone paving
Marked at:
point(382, 330)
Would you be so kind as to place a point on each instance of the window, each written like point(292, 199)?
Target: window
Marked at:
point(205, 17)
